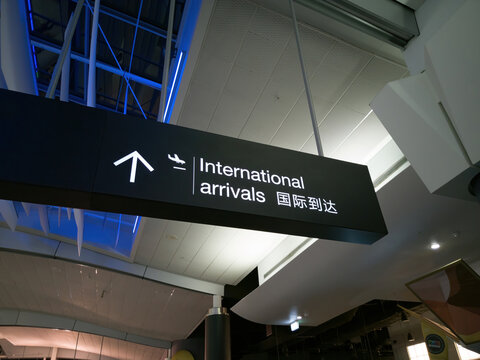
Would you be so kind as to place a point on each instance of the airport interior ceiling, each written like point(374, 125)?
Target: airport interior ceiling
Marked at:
point(143, 283)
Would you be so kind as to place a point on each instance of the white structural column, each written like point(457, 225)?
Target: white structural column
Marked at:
point(17, 71)
point(79, 216)
point(54, 353)
point(7, 210)
point(92, 68)
point(16, 52)
point(43, 215)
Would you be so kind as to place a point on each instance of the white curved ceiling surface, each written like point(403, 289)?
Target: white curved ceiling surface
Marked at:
point(105, 298)
point(331, 278)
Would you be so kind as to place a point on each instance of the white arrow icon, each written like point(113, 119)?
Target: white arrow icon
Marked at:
point(135, 156)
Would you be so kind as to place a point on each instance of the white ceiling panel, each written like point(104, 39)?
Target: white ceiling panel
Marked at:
point(271, 25)
point(258, 53)
point(287, 71)
point(227, 28)
point(347, 58)
point(150, 233)
point(360, 94)
point(209, 251)
point(239, 97)
point(215, 74)
point(98, 296)
point(194, 239)
point(315, 47)
point(336, 126)
point(202, 102)
point(168, 243)
point(357, 147)
point(329, 83)
point(297, 127)
point(230, 116)
point(382, 71)
point(271, 109)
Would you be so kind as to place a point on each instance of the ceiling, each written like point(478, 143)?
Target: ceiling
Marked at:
point(138, 51)
point(245, 82)
point(333, 277)
point(109, 299)
point(28, 342)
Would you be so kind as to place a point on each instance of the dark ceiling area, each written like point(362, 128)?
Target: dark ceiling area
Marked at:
point(139, 50)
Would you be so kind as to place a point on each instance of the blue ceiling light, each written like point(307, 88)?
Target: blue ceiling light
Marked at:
point(173, 89)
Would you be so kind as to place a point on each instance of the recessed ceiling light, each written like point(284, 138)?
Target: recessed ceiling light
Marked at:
point(434, 245)
point(299, 317)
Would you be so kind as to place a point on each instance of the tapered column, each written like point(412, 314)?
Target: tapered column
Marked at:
point(16, 52)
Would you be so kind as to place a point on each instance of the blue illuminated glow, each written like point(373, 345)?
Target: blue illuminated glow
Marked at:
point(29, 4)
point(30, 16)
point(106, 231)
point(173, 88)
point(116, 61)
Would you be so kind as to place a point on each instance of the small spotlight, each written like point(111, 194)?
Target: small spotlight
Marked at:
point(434, 245)
point(294, 326)
point(410, 337)
point(299, 317)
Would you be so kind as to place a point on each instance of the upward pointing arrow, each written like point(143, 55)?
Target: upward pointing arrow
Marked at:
point(135, 156)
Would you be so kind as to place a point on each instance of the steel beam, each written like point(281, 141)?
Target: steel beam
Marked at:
point(131, 54)
point(45, 45)
point(132, 21)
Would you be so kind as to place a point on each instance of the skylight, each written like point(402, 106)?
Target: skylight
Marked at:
point(105, 231)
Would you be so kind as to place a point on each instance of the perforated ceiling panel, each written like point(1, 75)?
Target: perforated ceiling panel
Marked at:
point(105, 298)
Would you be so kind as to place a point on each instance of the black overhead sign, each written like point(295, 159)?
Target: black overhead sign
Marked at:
point(69, 155)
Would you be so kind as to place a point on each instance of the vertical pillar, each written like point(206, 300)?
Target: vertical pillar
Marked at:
point(16, 52)
point(92, 64)
point(65, 79)
point(217, 332)
point(54, 353)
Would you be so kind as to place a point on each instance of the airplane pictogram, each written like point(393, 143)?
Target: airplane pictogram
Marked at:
point(176, 159)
